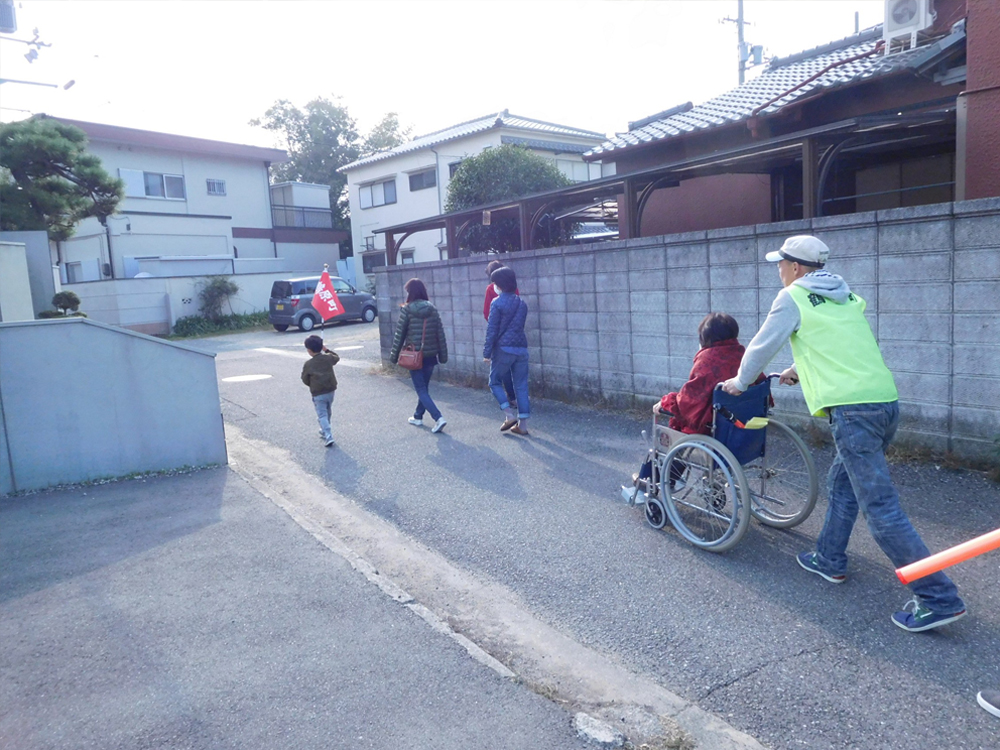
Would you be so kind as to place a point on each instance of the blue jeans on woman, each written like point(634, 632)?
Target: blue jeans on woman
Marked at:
point(859, 480)
point(503, 365)
point(421, 380)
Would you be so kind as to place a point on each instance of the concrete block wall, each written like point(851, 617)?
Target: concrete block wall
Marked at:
point(617, 322)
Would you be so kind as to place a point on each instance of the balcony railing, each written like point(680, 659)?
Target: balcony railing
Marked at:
point(309, 218)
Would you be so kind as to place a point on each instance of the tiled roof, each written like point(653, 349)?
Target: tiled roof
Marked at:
point(500, 120)
point(780, 76)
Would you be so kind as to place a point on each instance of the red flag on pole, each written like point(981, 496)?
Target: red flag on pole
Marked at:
point(325, 301)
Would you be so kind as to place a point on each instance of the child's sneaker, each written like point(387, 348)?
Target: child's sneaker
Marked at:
point(921, 618)
point(416, 422)
point(329, 443)
point(439, 425)
point(808, 561)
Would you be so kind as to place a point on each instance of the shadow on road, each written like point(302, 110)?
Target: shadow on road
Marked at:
point(50, 537)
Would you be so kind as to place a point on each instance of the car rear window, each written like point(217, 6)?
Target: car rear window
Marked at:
point(281, 289)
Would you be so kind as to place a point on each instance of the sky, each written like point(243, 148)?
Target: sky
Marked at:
point(205, 68)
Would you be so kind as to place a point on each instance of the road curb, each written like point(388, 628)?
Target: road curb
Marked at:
point(543, 657)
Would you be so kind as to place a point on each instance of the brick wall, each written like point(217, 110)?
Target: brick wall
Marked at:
point(617, 322)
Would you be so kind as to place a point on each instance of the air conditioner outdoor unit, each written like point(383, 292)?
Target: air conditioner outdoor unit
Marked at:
point(903, 20)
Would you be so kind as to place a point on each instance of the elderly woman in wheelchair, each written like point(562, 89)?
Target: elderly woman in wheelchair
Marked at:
point(717, 459)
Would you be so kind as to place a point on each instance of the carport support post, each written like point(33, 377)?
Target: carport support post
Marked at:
point(627, 211)
point(524, 224)
point(449, 237)
point(810, 181)
point(390, 249)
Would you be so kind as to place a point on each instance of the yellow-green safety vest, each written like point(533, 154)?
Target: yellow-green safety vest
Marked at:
point(836, 355)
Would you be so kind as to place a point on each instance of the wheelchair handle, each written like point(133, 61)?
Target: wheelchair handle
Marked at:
point(718, 386)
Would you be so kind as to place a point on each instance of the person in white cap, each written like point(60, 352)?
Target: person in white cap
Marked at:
point(843, 377)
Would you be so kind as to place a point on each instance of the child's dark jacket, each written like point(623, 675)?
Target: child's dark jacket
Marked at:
point(317, 373)
point(692, 405)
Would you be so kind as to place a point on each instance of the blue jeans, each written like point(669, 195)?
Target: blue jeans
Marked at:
point(421, 380)
point(324, 407)
point(514, 366)
point(859, 480)
point(508, 386)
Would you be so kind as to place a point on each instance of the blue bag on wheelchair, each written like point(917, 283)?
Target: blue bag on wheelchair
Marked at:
point(746, 445)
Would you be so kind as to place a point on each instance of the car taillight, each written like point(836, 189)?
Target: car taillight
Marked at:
point(295, 303)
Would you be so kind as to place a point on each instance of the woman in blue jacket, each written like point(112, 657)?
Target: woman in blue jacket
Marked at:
point(506, 349)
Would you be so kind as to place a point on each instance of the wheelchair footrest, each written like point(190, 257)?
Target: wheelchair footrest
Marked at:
point(633, 495)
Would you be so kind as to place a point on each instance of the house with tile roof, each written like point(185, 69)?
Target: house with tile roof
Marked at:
point(848, 126)
point(410, 182)
point(853, 125)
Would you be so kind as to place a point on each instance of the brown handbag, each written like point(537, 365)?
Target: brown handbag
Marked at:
point(412, 358)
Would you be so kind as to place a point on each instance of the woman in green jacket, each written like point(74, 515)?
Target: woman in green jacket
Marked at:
point(420, 324)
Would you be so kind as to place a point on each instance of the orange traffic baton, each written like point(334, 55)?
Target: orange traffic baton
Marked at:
point(947, 558)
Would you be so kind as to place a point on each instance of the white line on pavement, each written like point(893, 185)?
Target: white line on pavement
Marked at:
point(244, 378)
point(283, 353)
point(302, 356)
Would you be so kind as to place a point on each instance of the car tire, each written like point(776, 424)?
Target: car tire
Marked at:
point(307, 323)
point(368, 314)
point(281, 328)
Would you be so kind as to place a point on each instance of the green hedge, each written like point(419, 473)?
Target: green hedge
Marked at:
point(196, 325)
point(47, 314)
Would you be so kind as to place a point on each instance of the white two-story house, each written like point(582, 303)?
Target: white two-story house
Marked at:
point(410, 182)
point(196, 207)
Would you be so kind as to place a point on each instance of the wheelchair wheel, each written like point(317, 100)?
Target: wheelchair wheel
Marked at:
point(656, 515)
point(783, 483)
point(705, 493)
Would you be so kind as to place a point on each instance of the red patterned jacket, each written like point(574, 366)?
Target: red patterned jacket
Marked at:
point(691, 407)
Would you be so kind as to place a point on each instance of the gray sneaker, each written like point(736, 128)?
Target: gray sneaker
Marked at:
point(990, 700)
point(439, 425)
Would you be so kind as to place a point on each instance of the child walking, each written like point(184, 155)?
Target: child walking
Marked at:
point(317, 373)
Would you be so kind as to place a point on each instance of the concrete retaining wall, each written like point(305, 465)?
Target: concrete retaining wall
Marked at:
point(80, 400)
point(617, 322)
point(15, 287)
point(41, 275)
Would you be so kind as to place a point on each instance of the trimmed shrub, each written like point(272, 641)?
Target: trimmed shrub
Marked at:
point(198, 325)
point(66, 301)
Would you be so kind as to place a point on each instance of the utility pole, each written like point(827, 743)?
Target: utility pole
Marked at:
point(743, 53)
point(744, 50)
point(739, 32)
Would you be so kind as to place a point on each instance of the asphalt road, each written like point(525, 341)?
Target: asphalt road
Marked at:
point(189, 612)
point(778, 653)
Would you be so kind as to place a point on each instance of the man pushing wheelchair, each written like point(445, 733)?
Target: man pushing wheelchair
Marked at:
point(844, 378)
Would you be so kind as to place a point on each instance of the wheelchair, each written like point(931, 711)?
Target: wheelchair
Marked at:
point(708, 486)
